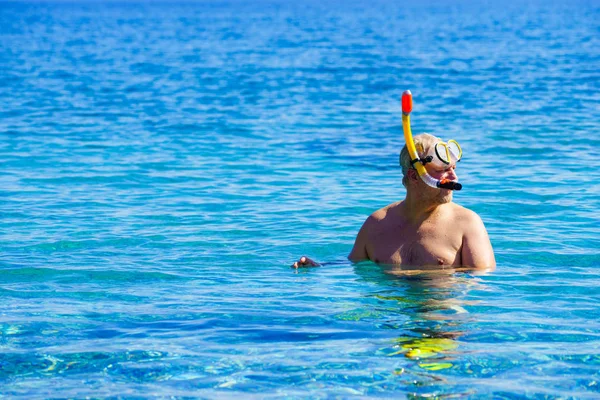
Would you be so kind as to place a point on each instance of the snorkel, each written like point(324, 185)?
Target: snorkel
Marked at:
point(417, 162)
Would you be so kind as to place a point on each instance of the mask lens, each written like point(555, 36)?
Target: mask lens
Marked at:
point(455, 149)
point(441, 150)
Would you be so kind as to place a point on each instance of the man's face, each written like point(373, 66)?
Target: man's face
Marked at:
point(441, 172)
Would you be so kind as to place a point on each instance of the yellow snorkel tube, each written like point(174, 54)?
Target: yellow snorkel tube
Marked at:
point(418, 163)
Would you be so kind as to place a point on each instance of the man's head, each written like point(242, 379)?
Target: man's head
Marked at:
point(425, 145)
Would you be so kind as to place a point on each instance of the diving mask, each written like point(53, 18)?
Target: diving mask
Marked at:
point(446, 153)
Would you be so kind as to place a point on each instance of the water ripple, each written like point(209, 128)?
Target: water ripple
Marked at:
point(164, 166)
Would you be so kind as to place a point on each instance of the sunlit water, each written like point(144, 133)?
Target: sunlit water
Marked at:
point(164, 165)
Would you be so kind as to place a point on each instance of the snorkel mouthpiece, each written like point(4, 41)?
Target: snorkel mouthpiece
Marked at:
point(418, 163)
point(450, 185)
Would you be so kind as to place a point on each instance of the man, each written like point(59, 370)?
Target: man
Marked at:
point(425, 229)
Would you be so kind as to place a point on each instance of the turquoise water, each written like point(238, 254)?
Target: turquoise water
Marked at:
point(164, 165)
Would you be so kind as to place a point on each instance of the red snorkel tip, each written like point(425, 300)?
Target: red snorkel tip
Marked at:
point(406, 102)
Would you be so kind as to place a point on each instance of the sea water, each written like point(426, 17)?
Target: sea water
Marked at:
point(164, 164)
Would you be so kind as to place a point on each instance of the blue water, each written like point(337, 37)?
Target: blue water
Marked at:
point(163, 165)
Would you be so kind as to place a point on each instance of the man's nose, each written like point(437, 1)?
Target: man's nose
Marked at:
point(452, 174)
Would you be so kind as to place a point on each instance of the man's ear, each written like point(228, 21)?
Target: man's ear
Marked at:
point(413, 175)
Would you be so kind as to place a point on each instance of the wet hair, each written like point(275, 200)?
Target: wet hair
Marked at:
point(423, 143)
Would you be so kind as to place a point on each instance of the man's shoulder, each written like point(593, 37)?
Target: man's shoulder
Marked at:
point(382, 213)
point(464, 217)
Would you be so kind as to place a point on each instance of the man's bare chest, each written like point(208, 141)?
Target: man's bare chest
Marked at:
point(429, 245)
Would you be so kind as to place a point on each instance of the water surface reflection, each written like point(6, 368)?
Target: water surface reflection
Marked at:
point(430, 308)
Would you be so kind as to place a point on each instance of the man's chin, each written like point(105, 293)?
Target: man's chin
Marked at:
point(445, 196)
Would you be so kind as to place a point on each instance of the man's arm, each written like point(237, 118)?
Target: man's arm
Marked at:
point(359, 251)
point(477, 250)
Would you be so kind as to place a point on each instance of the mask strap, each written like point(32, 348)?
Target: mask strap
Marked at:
point(423, 161)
